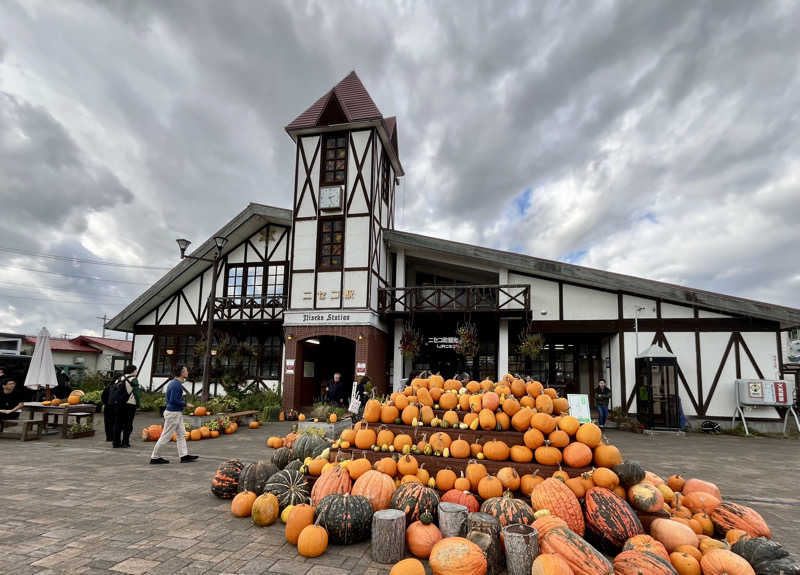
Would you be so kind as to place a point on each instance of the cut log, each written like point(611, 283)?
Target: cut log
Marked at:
point(388, 535)
point(522, 547)
point(452, 519)
point(478, 522)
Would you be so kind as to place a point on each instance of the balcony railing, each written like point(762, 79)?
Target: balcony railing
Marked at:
point(509, 299)
point(241, 308)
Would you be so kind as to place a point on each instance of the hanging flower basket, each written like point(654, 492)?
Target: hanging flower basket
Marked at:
point(530, 344)
point(410, 341)
point(468, 343)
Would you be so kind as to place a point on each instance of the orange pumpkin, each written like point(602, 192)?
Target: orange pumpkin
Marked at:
point(558, 439)
point(300, 517)
point(550, 564)
point(672, 534)
point(724, 562)
point(520, 454)
point(475, 472)
point(386, 465)
point(554, 495)
point(684, 563)
point(509, 477)
point(547, 455)
point(496, 450)
point(577, 454)
point(589, 434)
point(242, 504)
point(457, 556)
point(422, 535)
point(529, 481)
point(700, 501)
point(694, 485)
point(490, 486)
point(375, 486)
point(372, 411)
point(533, 438)
point(460, 449)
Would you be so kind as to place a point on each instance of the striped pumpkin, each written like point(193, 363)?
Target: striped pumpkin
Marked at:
point(554, 495)
point(610, 518)
point(308, 445)
point(335, 480)
point(290, 487)
point(281, 457)
point(508, 510)
point(255, 475)
point(413, 499)
point(641, 562)
point(348, 518)
point(582, 558)
point(734, 516)
point(225, 483)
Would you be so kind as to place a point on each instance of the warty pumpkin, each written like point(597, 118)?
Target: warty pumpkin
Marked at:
point(414, 499)
point(640, 562)
point(609, 518)
point(545, 522)
point(242, 504)
point(464, 498)
point(334, 480)
point(457, 556)
point(550, 564)
point(422, 535)
point(265, 510)
point(723, 562)
point(672, 534)
point(552, 494)
point(225, 483)
point(729, 515)
point(377, 487)
point(582, 558)
point(508, 510)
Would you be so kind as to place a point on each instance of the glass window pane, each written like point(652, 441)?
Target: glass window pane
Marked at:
point(340, 142)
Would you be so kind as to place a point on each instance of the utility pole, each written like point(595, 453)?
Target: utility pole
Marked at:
point(105, 319)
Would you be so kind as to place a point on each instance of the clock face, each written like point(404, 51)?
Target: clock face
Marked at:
point(330, 198)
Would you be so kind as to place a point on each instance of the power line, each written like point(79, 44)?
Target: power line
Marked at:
point(20, 268)
point(85, 302)
point(80, 260)
point(58, 290)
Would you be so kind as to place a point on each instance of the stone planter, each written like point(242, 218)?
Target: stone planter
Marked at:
point(332, 430)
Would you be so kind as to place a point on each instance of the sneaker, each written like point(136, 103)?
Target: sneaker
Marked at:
point(158, 461)
point(126, 445)
point(188, 458)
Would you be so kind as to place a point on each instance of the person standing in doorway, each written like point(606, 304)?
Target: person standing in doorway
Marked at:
point(173, 419)
point(602, 396)
point(335, 388)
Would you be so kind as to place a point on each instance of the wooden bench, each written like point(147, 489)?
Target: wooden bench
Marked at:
point(243, 414)
point(29, 428)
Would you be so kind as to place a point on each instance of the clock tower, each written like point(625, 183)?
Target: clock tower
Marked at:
point(346, 169)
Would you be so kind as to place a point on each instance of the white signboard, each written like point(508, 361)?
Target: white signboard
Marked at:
point(289, 367)
point(764, 392)
point(361, 369)
point(337, 317)
point(579, 407)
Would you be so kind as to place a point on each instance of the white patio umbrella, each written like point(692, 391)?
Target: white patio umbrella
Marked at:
point(42, 371)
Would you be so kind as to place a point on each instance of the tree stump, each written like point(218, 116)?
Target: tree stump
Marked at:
point(452, 519)
point(522, 547)
point(388, 535)
point(488, 524)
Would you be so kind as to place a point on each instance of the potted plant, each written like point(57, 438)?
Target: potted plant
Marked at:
point(468, 343)
point(410, 341)
point(530, 344)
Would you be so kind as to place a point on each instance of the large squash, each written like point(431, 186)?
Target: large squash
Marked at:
point(729, 515)
point(672, 534)
point(457, 556)
point(550, 564)
point(225, 483)
point(422, 535)
point(554, 495)
point(508, 510)
point(254, 476)
point(694, 485)
point(414, 499)
point(347, 518)
point(308, 445)
point(582, 558)
point(642, 562)
point(335, 480)
point(290, 487)
point(724, 562)
point(646, 543)
point(281, 457)
point(645, 497)
point(609, 518)
point(266, 510)
point(377, 487)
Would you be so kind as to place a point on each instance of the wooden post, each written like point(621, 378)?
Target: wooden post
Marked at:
point(478, 522)
point(388, 535)
point(522, 547)
point(452, 519)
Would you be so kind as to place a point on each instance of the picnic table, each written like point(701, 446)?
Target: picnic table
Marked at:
point(59, 417)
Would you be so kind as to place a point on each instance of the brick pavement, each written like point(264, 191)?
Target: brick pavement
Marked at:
point(78, 506)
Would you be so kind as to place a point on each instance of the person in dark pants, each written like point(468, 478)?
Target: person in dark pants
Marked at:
point(108, 413)
point(335, 389)
point(362, 393)
point(602, 396)
point(11, 400)
point(119, 398)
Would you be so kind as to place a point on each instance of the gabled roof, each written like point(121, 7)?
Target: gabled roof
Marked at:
point(61, 344)
point(355, 101)
point(120, 345)
point(245, 224)
point(593, 278)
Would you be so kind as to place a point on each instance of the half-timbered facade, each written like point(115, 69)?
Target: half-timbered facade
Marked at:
point(330, 285)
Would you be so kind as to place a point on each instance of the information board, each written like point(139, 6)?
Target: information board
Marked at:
point(579, 407)
point(764, 392)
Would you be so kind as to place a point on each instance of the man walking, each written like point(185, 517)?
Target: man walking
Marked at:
point(602, 395)
point(173, 420)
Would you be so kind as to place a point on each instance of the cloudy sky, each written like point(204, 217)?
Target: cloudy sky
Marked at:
point(659, 139)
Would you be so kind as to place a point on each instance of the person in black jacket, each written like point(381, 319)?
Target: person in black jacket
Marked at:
point(602, 397)
point(108, 413)
point(336, 389)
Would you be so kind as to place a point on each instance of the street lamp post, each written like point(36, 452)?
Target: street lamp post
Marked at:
point(220, 242)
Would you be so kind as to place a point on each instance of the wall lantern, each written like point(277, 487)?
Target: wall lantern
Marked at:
point(289, 337)
point(360, 337)
point(170, 351)
point(213, 352)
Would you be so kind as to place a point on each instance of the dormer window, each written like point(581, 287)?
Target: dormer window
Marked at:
point(335, 159)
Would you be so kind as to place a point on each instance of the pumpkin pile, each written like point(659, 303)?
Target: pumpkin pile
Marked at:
point(210, 429)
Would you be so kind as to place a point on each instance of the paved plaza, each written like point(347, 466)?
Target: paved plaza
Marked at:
point(78, 506)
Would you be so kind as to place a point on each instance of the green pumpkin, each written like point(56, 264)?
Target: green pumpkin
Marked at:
point(308, 445)
point(255, 475)
point(414, 499)
point(281, 457)
point(225, 483)
point(293, 465)
point(629, 473)
point(290, 487)
point(508, 510)
point(348, 518)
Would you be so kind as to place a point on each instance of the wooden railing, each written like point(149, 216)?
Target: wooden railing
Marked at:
point(241, 308)
point(511, 298)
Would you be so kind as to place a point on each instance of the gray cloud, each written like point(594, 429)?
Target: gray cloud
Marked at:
point(657, 139)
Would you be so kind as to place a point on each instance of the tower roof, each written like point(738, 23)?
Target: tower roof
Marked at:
point(351, 96)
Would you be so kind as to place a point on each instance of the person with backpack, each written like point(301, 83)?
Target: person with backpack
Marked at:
point(108, 412)
point(173, 419)
point(122, 397)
